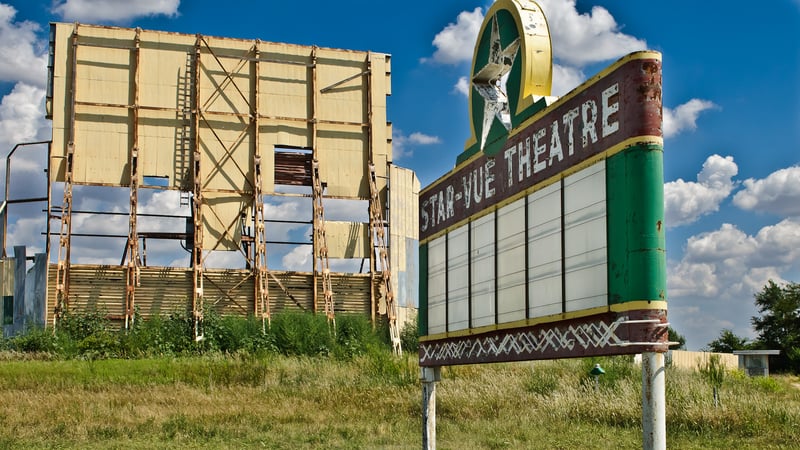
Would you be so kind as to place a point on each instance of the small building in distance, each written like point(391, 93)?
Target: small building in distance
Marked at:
point(755, 362)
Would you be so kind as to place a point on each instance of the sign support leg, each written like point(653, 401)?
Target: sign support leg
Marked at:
point(429, 376)
point(654, 423)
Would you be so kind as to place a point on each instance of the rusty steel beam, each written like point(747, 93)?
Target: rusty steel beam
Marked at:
point(261, 285)
point(371, 207)
point(132, 273)
point(197, 203)
point(314, 157)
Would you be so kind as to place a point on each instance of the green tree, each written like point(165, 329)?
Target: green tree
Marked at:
point(778, 323)
point(674, 336)
point(727, 342)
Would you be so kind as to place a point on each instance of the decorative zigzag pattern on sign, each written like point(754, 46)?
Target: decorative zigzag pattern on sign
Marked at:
point(595, 334)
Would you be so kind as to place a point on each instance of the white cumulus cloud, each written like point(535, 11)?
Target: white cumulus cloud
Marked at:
point(23, 58)
point(684, 117)
point(423, 139)
point(578, 38)
point(728, 263)
point(455, 43)
point(299, 259)
point(687, 201)
point(779, 193)
point(462, 86)
point(113, 10)
point(403, 145)
point(585, 38)
point(22, 115)
point(224, 260)
point(565, 79)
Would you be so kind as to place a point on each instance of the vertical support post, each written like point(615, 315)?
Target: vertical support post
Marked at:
point(48, 227)
point(429, 376)
point(321, 242)
point(132, 278)
point(20, 262)
point(378, 227)
point(372, 207)
point(197, 202)
point(314, 157)
point(36, 306)
point(260, 238)
point(654, 423)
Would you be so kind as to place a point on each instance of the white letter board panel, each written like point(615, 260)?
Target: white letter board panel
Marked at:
point(585, 246)
point(544, 251)
point(458, 279)
point(511, 262)
point(482, 271)
point(437, 286)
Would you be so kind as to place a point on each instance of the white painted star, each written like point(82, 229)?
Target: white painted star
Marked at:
point(490, 82)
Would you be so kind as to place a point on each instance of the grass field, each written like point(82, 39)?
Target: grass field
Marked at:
point(372, 401)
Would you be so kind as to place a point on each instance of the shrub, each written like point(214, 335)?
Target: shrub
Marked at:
point(99, 345)
point(409, 336)
point(37, 340)
point(232, 334)
point(766, 384)
point(302, 334)
point(80, 326)
point(159, 336)
point(354, 336)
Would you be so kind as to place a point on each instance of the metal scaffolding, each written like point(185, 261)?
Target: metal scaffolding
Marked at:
point(219, 115)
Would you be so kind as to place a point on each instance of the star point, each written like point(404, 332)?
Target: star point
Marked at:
point(490, 82)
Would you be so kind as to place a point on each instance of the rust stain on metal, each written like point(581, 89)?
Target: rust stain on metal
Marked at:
point(293, 168)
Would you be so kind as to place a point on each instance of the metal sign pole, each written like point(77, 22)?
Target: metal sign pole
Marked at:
point(429, 376)
point(654, 422)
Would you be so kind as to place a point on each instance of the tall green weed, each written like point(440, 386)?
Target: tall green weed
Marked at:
point(91, 336)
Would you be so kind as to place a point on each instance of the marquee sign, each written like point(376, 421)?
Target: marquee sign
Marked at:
point(546, 240)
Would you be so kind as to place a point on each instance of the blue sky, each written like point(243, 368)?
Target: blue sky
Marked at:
point(731, 99)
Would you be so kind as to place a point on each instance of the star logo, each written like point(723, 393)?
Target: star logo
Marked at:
point(490, 82)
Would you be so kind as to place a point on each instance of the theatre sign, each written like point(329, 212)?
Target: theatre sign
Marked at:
point(547, 238)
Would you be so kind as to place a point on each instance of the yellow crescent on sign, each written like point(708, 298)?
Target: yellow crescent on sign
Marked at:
point(534, 54)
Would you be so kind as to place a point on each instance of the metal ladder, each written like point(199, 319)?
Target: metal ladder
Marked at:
point(62, 271)
point(378, 232)
point(322, 245)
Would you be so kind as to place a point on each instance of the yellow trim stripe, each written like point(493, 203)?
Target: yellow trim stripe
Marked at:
point(616, 308)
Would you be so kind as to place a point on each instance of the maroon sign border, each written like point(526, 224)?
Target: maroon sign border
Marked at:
point(620, 105)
